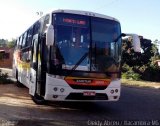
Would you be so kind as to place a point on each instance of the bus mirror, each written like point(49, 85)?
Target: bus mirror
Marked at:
point(50, 35)
point(136, 42)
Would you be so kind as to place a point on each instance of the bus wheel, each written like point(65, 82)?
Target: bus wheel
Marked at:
point(19, 84)
point(38, 99)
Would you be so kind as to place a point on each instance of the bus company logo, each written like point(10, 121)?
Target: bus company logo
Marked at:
point(82, 81)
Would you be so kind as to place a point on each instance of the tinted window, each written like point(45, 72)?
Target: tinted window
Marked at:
point(46, 21)
point(24, 40)
point(105, 49)
point(72, 38)
point(36, 28)
point(20, 42)
point(29, 37)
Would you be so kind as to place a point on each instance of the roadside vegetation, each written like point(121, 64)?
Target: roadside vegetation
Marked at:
point(7, 43)
point(4, 79)
point(138, 67)
point(141, 66)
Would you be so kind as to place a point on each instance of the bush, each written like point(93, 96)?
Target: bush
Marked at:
point(128, 73)
point(4, 78)
point(125, 68)
point(131, 75)
point(151, 73)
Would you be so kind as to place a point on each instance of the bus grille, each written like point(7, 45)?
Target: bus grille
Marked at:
point(79, 96)
point(88, 87)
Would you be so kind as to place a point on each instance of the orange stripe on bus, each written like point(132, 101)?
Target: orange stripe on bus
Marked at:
point(87, 81)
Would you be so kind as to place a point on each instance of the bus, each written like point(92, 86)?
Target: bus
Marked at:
point(71, 55)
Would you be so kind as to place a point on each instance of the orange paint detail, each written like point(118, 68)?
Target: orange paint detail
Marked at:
point(87, 81)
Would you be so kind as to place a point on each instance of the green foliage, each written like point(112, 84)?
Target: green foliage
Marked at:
point(3, 42)
point(6, 43)
point(11, 43)
point(131, 75)
point(4, 78)
point(151, 73)
point(128, 73)
point(132, 58)
point(140, 66)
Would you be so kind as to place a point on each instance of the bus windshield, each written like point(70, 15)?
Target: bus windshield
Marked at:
point(77, 35)
point(105, 49)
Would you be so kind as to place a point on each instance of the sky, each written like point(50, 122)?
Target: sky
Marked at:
point(136, 16)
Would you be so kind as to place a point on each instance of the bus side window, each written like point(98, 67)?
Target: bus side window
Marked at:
point(34, 51)
point(24, 40)
point(17, 42)
point(20, 42)
point(36, 28)
point(34, 42)
point(46, 21)
point(29, 37)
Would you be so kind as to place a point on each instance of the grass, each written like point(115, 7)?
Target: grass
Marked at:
point(127, 82)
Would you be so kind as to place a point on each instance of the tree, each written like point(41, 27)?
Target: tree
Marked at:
point(129, 57)
point(11, 43)
point(132, 58)
point(140, 63)
point(3, 43)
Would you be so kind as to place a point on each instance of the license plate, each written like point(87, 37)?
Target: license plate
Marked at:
point(87, 93)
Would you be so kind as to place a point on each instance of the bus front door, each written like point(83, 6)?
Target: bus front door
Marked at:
point(35, 74)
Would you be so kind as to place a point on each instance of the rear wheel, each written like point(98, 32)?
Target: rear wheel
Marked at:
point(19, 84)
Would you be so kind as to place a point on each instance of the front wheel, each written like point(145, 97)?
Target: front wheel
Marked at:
point(38, 99)
point(19, 84)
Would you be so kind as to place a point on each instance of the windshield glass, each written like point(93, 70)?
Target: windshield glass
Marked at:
point(78, 35)
point(72, 39)
point(105, 51)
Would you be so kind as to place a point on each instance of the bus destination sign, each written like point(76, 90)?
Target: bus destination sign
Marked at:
point(74, 21)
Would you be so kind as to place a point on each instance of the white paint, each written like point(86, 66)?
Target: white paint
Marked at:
point(59, 83)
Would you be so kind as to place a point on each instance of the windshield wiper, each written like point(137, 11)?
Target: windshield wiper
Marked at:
point(79, 61)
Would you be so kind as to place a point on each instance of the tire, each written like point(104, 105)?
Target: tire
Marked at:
point(38, 99)
point(19, 84)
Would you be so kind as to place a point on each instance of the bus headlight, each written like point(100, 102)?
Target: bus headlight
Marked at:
point(112, 91)
point(116, 90)
point(62, 90)
point(55, 88)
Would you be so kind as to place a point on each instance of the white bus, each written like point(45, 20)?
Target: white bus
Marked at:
point(70, 55)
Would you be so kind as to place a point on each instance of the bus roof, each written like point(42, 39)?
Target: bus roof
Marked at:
point(87, 13)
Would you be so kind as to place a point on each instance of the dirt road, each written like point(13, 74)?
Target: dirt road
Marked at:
point(17, 109)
